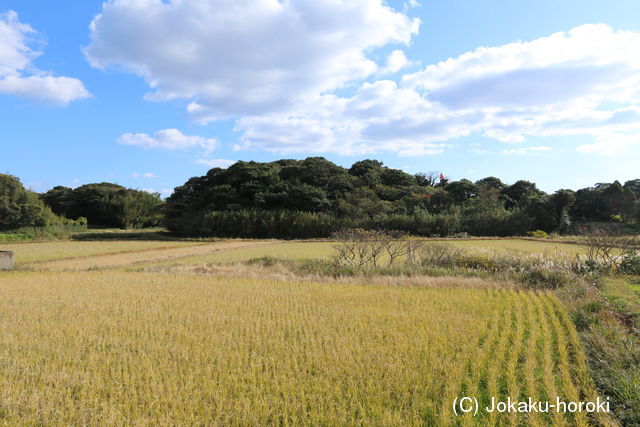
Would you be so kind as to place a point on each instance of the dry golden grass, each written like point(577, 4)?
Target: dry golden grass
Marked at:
point(34, 252)
point(284, 274)
point(325, 249)
point(113, 348)
point(520, 245)
point(164, 254)
point(279, 249)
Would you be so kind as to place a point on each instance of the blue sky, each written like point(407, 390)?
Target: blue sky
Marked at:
point(156, 92)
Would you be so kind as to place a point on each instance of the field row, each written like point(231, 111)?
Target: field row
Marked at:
point(121, 348)
point(125, 259)
point(113, 254)
point(36, 252)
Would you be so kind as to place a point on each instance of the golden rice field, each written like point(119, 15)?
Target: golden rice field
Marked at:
point(297, 249)
point(519, 245)
point(153, 255)
point(34, 252)
point(114, 347)
point(85, 339)
point(122, 252)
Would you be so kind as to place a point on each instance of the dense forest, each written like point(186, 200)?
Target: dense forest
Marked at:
point(315, 197)
point(107, 205)
point(21, 208)
point(101, 205)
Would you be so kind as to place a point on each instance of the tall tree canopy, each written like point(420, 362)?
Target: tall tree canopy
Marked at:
point(107, 205)
point(20, 207)
point(369, 194)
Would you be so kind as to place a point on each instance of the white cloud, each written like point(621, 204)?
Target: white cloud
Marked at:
point(216, 163)
point(411, 4)
point(590, 60)
point(244, 57)
point(147, 175)
point(378, 117)
point(396, 61)
point(169, 139)
point(19, 77)
point(611, 144)
point(526, 150)
point(275, 67)
point(580, 82)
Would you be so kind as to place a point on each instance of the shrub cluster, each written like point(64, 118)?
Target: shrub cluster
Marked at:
point(362, 251)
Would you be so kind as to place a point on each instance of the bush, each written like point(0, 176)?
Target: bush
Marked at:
point(58, 231)
point(260, 224)
point(481, 262)
point(546, 279)
point(630, 263)
point(438, 255)
point(538, 234)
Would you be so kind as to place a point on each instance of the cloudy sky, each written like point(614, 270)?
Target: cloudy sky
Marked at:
point(148, 93)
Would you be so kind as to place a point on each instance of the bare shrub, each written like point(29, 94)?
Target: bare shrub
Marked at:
point(364, 249)
point(609, 248)
point(438, 255)
point(359, 248)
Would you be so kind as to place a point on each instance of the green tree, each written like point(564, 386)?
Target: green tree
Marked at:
point(462, 190)
point(107, 205)
point(517, 194)
point(20, 207)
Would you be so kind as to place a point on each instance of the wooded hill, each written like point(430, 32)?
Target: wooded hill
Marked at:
point(314, 197)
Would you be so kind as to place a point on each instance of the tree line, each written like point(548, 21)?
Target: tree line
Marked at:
point(315, 197)
point(99, 205)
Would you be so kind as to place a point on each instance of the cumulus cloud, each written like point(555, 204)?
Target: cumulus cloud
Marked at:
point(19, 77)
point(588, 61)
point(275, 67)
point(380, 116)
point(169, 139)
point(396, 61)
point(580, 82)
point(244, 57)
